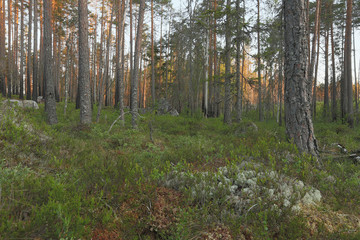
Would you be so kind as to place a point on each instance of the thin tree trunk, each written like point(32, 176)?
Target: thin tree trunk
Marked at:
point(22, 54)
point(227, 101)
point(261, 115)
point(238, 90)
point(2, 49)
point(35, 60)
point(84, 66)
point(106, 73)
point(16, 50)
point(347, 65)
point(9, 64)
point(152, 55)
point(326, 88)
point(355, 78)
point(67, 70)
point(313, 48)
point(134, 77)
point(50, 103)
point(333, 88)
point(314, 97)
point(29, 67)
point(94, 76)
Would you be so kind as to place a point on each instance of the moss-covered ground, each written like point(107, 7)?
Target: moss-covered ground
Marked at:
point(83, 182)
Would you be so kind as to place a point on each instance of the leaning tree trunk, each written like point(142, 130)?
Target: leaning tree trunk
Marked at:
point(134, 76)
point(84, 66)
point(50, 103)
point(299, 126)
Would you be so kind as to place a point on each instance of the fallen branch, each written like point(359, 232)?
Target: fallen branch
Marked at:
point(120, 116)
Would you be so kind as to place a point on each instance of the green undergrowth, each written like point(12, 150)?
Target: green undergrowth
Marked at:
point(69, 181)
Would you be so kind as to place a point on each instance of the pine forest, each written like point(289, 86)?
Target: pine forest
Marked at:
point(179, 119)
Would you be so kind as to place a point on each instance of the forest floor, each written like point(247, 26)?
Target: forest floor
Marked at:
point(173, 178)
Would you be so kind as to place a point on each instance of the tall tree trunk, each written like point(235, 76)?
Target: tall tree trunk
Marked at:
point(29, 67)
point(134, 77)
point(16, 49)
point(41, 61)
point(67, 70)
point(107, 61)
point(131, 60)
point(106, 73)
point(347, 65)
point(314, 98)
point(9, 63)
point(101, 57)
point(299, 126)
point(215, 62)
point(22, 54)
point(94, 76)
point(152, 55)
point(333, 82)
point(238, 90)
point(122, 70)
point(2, 49)
point(50, 103)
point(313, 47)
point(355, 75)
point(261, 115)
point(227, 102)
point(326, 88)
point(35, 65)
point(84, 66)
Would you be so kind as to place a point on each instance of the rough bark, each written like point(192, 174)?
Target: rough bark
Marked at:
point(299, 126)
point(84, 66)
point(134, 77)
point(227, 100)
point(347, 66)
point(50, 103)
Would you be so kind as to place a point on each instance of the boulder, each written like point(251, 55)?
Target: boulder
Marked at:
point(164, 107)
point(21, 103)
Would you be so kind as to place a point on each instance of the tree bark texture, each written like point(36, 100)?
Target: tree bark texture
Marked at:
point(84, 65)
point(134, 77)
point(227, 102)
point(50, 103)
point(2, 49)
point(299, 126)
point(28, 70)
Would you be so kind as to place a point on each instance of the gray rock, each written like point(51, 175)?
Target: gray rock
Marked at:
point(174, 113)
point(21, 104)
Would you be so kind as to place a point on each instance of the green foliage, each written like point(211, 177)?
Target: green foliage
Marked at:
point(67, 181)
